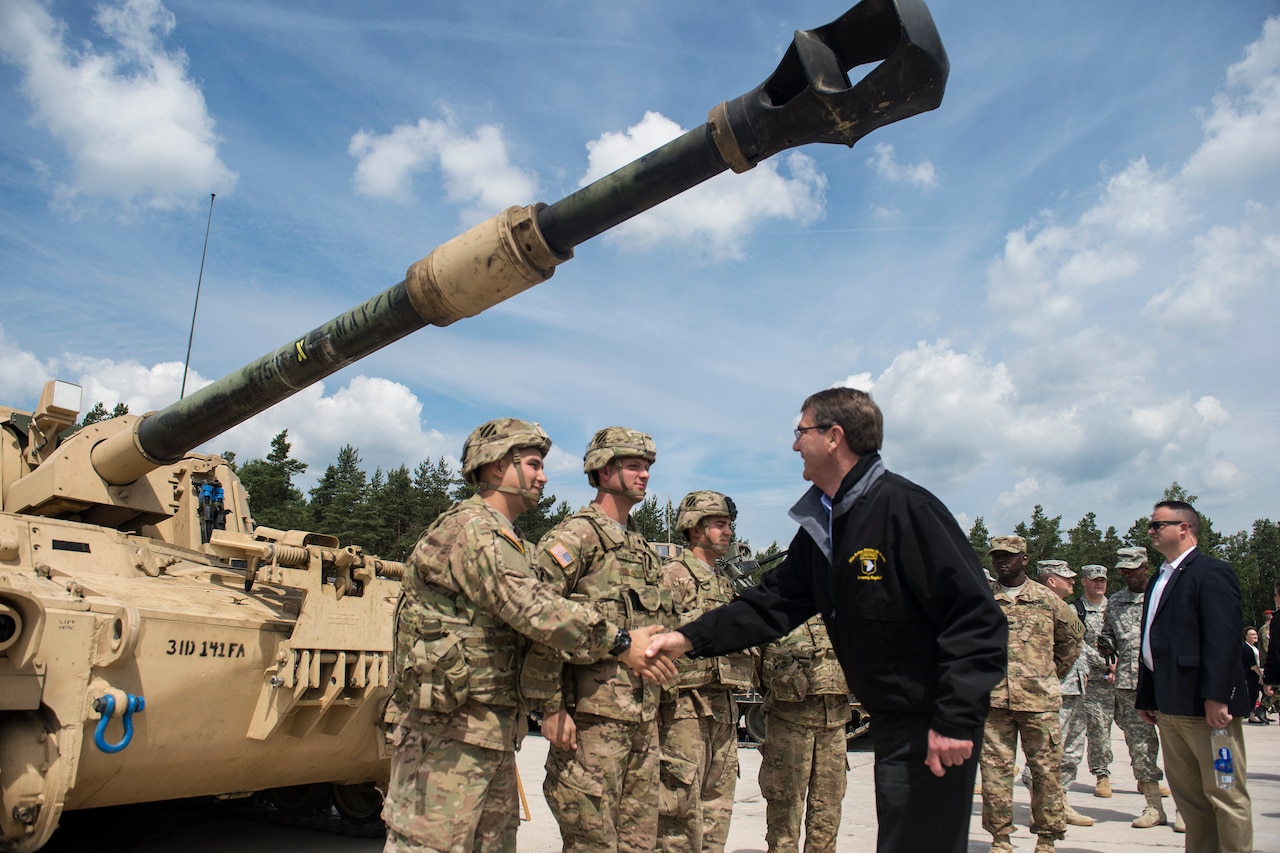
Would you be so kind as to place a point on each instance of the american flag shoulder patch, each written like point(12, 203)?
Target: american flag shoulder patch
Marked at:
point(561, 555)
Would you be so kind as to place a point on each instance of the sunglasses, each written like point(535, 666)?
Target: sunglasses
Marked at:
point(1156, 525)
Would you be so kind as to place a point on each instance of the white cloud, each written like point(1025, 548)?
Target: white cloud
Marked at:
point(22, 375)
point(922, 174)
point(132, 123)
point(718, 215)
point(1242, 131)
point(476, 170)
point(1225, 264)
point(1050, 272)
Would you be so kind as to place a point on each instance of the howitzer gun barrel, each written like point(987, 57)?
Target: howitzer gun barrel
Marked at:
point(808, 98)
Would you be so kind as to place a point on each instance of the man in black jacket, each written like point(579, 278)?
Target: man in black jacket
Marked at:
point(910, 614)
point(1190, 681)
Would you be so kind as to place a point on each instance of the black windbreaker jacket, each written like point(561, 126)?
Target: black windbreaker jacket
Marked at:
point(909, 610)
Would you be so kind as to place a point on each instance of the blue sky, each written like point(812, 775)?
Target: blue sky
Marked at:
point(1060, 286)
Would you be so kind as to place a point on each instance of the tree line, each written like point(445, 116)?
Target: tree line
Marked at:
point(386, 512)
point(1254, 554)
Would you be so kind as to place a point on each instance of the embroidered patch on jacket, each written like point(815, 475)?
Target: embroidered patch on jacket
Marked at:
point(561, 555)
point(868, 561)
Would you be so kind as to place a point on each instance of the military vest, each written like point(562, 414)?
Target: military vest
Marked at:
point(711, 589)
point(803, 664)
point(448, 651)
point(615, 569)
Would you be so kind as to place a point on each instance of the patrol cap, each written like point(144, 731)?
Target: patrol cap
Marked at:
point(1010, 544)
point(1054, 567)
point(1130, 558)
point(1093, 572)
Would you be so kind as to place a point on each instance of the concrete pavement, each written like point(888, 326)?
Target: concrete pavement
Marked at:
point(1110, 834)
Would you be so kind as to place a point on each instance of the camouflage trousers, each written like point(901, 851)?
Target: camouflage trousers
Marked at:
point(1141, 737)
point(605, 795)
point(1099, 712)
point(446, 796)
point(1041, 735)
point(698, 777)
point(1074, 732)
point(796, 758)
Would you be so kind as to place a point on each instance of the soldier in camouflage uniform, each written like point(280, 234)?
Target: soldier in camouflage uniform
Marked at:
point(602, 768)
point(1122, 628)
point(806, 708)
point(1100, 692)
point(1057, 575)
point(456, 716)
point(698, 720)
point(1044, 641)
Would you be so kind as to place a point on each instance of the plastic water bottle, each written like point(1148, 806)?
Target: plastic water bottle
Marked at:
point(1223, 769)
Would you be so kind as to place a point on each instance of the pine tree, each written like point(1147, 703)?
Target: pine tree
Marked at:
point(339, 501)
point(1044, 536)
point(273, 498)
point(980, 539)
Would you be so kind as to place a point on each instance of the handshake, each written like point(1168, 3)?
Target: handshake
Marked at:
point(653, 653)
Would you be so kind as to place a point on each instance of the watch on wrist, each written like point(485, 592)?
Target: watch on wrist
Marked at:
point(621, 643)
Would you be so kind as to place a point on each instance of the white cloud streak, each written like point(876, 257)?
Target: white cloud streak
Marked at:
point(476, 170)
point(133, 125)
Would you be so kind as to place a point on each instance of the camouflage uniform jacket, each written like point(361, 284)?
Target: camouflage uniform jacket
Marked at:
point(802, 680)
point(705, 684)
point(590, 557)
point(1090, 664)
point(469, 589)
point(1123, 624)
point(1044, 641)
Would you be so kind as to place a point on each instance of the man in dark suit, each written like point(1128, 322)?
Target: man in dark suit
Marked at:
point(1190, 681)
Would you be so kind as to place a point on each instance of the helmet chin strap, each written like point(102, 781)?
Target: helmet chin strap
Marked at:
point(528, 496)
point(718, 550)
point(634, 494)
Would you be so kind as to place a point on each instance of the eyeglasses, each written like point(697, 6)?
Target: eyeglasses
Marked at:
point(802, 430)
point(1156, 525)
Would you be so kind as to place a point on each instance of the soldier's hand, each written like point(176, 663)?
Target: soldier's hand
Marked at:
point(660, 669)
point(946, 752)
point(670, 645)
point(560, 730)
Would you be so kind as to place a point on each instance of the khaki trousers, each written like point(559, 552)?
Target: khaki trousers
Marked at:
point(1217, 819)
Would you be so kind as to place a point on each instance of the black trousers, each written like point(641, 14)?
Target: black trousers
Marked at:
point(917, 811)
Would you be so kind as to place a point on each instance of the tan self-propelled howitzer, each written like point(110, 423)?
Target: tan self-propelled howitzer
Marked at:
point(155, 644)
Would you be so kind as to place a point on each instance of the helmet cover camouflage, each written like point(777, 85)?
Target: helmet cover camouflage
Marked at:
point(698, 505)
point(491, 441)
point(613, 443)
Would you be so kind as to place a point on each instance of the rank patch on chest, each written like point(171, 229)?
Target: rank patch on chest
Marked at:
point(561, 555)
point(869, 562)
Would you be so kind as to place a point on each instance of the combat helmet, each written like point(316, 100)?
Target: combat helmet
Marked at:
point(613, 443)
point(495, 439)
point(696, 506)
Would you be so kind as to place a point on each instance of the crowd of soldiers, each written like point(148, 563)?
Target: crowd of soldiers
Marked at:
point(492, 629)
point(1073, 671)
point(642, 751)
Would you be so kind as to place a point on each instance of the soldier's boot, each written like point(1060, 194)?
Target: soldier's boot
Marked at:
point(1103, 788)
point(1153, 814)
point(1000, 844)
point(1044, 844)
point(1178, 824)
point(1074, 818)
